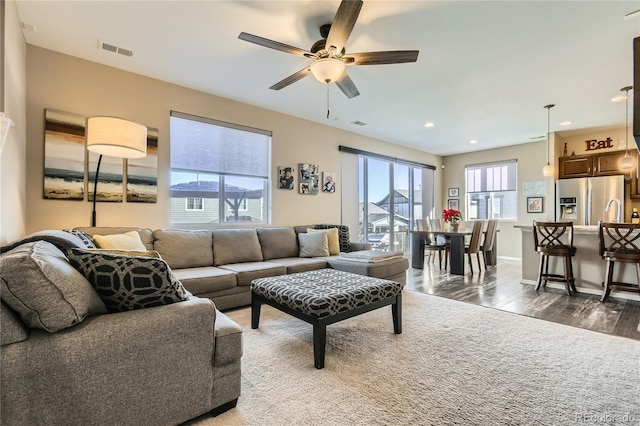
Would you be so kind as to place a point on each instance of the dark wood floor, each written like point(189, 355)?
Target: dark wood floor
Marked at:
point(500, 288)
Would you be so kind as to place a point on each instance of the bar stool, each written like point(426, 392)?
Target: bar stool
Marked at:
point(619, 243)
point(555, 239)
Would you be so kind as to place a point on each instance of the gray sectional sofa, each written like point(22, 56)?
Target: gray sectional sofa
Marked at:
point(67, 361)
point(220, 264)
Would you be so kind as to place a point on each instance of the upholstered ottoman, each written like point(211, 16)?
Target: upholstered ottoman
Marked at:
point(323, 297)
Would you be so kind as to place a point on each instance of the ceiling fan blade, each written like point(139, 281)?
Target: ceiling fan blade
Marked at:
point(347, 86)
point(291, 79)
point(261, 41)
point(343, 23)
point(381, 58)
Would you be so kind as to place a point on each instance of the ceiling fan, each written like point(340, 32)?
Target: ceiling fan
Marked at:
point(328, 54)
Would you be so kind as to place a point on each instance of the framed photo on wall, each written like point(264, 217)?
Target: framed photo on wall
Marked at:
point(454, 192)
point(454, 204)
point(534, 204)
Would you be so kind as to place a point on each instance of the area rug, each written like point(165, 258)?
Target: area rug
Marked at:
point(453, 364)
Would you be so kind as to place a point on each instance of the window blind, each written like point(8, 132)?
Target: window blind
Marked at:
point(490, 177)
point(212, 146)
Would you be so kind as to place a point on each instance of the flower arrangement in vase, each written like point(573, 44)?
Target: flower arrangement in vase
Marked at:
point(453, 217)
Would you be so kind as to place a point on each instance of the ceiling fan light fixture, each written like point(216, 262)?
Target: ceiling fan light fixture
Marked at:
point(328, 70)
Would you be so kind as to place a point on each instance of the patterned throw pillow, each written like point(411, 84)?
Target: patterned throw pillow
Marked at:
point(332, 238)
point(83, 236)
point(313, 244)
point(343, 236)
point(126, 283)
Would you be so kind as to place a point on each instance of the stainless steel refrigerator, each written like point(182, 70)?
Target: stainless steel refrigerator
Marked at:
point(583, 201)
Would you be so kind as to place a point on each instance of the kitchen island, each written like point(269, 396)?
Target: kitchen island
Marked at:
point(588, 266)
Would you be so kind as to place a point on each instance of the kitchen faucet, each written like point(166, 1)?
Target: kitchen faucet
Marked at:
point(619, 208)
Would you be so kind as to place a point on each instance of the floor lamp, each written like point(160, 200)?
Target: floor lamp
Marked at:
point(114, 137)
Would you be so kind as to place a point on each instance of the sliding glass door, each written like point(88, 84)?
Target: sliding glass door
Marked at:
point(391, 195)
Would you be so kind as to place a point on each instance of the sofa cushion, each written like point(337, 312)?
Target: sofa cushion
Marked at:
point(313, 244)
point(383, 269)
point(343, 235)
point(277, 242)
point(40, 285)
point(13, 331)
point(184, 249)
point(127, 241)
point(247, 272)
point(332, 239)
point(236, 246)
point(300, 264)
point(126, 283)
point(206, 279)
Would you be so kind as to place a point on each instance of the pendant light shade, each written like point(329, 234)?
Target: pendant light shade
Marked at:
point(548, 170)
point(627, 162)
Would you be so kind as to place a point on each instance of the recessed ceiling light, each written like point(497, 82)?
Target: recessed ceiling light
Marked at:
point(566, 123)
point(429, 124)
point(473, 141)
point(619, 98)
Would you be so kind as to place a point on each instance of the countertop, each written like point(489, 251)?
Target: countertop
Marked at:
point(577, 229)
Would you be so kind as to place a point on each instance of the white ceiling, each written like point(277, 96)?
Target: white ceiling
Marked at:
point(485, 69)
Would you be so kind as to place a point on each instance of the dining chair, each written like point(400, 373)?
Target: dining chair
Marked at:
point(474, 244)
point(619, 242)
point(555, 239)
point(489, 242)
point(441, 241)
point(431, 242)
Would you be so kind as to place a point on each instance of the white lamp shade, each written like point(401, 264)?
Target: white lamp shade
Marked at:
point(626, 163)
point(547, 170)
point(327, 70)
point(116, 137)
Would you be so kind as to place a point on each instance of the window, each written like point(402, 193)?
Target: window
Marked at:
point(492, 190)
point(194, 203)
point(219, 171)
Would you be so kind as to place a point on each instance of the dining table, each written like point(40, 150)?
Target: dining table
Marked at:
point(456, 251)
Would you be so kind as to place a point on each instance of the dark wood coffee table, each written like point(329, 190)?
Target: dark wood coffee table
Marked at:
point(323, 297)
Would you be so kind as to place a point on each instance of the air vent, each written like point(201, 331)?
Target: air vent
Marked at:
point(358, 123)
point(124, 52)
point(538, 137)
point(115, 49)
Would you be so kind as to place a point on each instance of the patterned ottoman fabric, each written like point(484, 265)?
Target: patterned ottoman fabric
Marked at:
point(325, 292)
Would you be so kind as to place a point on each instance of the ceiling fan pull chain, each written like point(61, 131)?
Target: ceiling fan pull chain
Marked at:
point(327, 101)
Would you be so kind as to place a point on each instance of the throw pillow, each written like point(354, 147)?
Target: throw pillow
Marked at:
point(332, 239)
point(127, 241)
point(343, 235)
point(146, 253)
point(126, 283)
point(82, 236)
point(40, 285)
point(313, 244)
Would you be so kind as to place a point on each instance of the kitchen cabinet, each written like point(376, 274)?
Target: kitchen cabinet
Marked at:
point(575, 166)
point(602, 164)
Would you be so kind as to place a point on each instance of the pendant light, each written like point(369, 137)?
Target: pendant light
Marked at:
point(548, 169)
point(627, 161)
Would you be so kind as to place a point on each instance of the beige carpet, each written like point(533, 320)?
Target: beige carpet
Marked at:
point(454, 364)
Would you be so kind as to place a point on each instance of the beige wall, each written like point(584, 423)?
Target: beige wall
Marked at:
point(531, 159)
point(69, 84)
point(13, 163)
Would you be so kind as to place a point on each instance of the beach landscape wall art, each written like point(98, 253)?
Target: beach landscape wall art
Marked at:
point(64, 135)
point(110, 178)
point(142, 173)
